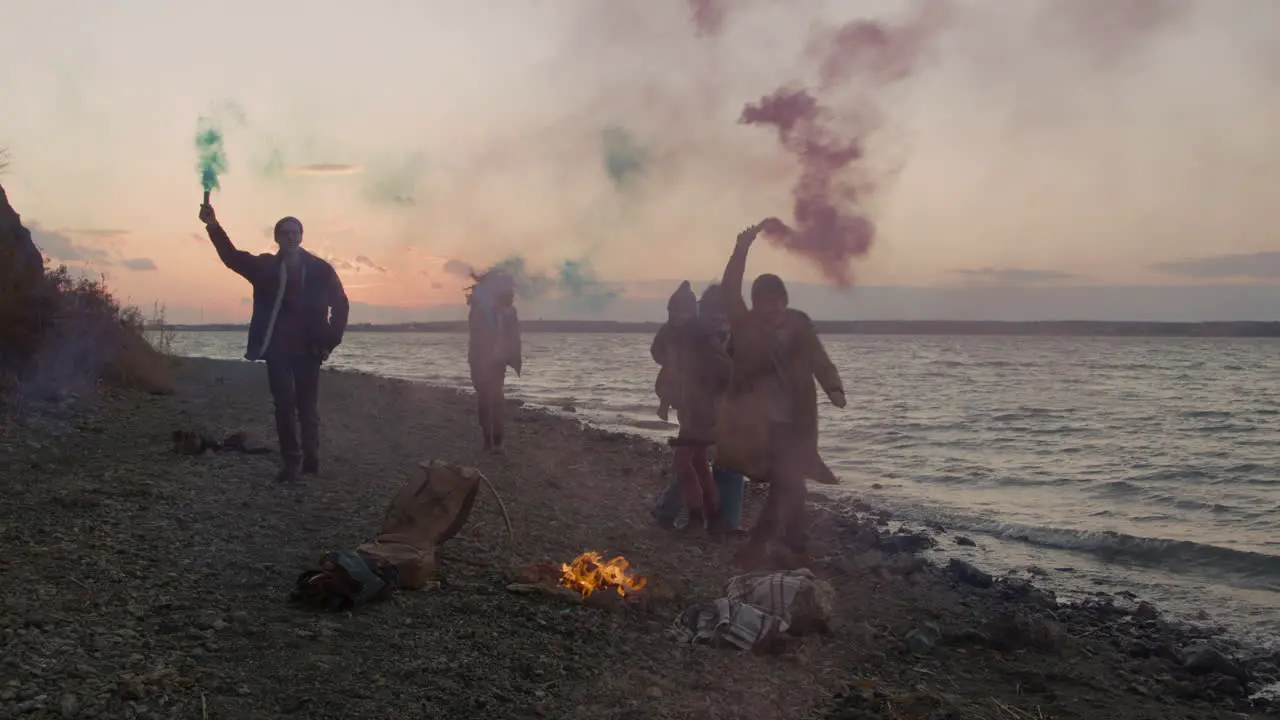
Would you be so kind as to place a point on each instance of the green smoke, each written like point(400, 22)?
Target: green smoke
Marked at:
point(579, 281)
point(574, 280)
point(396, 183)
point(624, 158)
point(273, 165)
point(212, 158)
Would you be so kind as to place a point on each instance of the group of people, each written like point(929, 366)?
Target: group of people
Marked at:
point(740, 379)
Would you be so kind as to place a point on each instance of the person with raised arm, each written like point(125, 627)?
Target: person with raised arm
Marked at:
point(299, 315)
point(767, 427)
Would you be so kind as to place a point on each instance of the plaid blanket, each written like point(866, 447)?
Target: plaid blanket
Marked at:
point(757, 607)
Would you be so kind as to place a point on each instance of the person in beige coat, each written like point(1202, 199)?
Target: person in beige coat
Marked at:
point(493, 345)
point(767, 425)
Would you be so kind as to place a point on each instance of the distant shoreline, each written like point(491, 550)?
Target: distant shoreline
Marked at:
point(1070, 328)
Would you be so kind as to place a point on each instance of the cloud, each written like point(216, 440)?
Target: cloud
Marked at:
point(1257, 266)
point(1014, 276)
point(459, 268)
point(60, 246)
point(363, 261)
point(325, 169)
point(138, 264)
point(96, 232)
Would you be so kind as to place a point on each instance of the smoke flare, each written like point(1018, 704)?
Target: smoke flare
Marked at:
point(212, 159)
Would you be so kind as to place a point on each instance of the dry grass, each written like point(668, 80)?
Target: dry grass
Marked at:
point(61, 334)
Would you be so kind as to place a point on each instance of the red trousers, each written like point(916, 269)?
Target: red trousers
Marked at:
point(693, 472)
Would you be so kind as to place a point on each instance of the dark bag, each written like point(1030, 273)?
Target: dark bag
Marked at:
point(344, 581)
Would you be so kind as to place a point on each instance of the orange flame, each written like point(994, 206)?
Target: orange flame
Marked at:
point(589, 572)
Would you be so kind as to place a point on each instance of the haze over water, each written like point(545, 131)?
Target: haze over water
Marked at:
point(1148, 465)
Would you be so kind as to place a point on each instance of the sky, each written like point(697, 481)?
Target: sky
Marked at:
point(1083, 159)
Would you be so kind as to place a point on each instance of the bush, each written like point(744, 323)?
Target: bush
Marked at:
point(60, 334)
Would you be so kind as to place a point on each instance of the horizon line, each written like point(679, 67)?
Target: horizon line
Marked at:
point(1118, 328)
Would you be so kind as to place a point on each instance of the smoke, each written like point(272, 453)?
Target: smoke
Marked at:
point(1112, 32)
point(211, 157)
point(672, 124)
point(826, 127)
point(624, 158)
point(572, 280)
point(577, 278)
point(708, 16)
point(396, 183)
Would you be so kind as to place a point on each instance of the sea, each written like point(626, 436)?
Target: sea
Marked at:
point(1147, 465)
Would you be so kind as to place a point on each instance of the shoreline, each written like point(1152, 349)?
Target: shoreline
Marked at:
point(128, 559)
point(1086, 571)
point(978, 328)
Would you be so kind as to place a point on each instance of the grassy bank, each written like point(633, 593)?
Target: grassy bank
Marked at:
point(141, 583)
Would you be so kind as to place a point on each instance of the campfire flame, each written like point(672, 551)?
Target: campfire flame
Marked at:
point(590, 572)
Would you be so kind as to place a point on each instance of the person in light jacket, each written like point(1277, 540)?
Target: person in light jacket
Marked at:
point(493, 345)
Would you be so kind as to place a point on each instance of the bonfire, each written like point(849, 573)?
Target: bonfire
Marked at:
point(590, 572)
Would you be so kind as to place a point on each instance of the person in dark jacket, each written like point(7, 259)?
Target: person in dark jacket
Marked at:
point(299, 315)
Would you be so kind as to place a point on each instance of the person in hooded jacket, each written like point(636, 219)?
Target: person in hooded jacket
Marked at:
point(729, 484)
point(700, 365)
point(493, 345)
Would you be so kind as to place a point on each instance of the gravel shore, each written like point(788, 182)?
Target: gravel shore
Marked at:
point(142, 583)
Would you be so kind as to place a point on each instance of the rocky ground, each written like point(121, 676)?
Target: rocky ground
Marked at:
point(142, 583)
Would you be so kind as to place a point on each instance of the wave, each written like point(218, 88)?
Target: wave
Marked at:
point(1252, 569)
point(1207, 414)
point(1171, 555)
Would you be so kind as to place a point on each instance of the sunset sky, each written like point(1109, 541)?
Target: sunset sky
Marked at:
point(1069, 143)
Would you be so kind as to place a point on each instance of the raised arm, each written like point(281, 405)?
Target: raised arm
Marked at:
point(238, 261)
point(735, 308)
point(340, 309)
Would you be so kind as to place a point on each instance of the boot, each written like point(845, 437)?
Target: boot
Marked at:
point(311, 465)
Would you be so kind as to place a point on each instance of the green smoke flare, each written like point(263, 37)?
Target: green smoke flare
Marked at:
point(212, 158)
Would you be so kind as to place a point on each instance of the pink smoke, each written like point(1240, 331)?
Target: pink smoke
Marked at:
point(832, 226)
point(708, 16)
